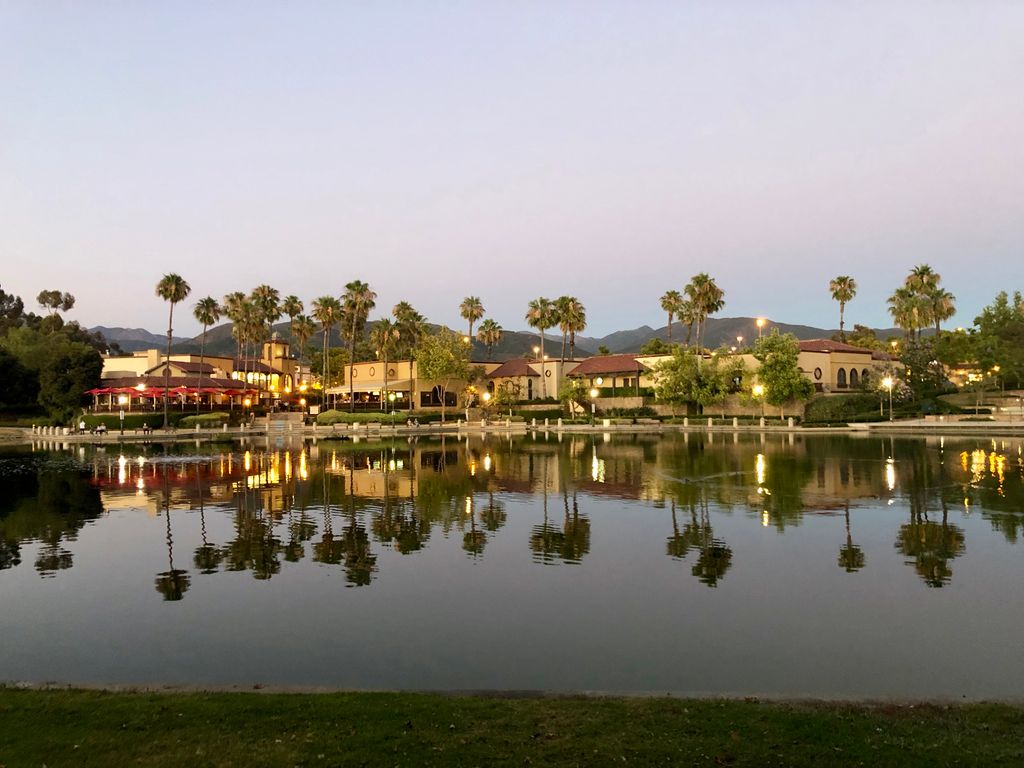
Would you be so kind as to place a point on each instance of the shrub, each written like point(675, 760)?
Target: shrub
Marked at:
point(327, 418)
point(132, 421)
point(205, 420)
point(839, 408)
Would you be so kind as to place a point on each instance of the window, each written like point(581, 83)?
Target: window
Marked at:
point(853, 377)
point(841, 378)
point(864, 376)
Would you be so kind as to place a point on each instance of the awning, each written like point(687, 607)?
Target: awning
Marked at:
point(373, 385)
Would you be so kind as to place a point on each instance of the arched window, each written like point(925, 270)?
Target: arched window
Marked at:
point(864, 376)
point(529, 389)
point(853, 378)
point(841, 378)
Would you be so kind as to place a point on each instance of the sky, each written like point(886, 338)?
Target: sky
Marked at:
point(510, 150)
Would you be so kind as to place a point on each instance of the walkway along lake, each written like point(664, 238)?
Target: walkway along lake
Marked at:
point(827, 566)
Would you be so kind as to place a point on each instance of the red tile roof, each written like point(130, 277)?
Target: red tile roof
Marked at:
point(514, 367)
point(827, 345)
point(186, 367)
point(601, 364)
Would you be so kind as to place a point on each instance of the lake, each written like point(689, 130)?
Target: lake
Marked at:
point(776, 565)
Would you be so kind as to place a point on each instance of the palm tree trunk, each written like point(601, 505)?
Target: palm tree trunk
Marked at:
point(199, 376)
point(167, 361)
point(572, 345)
point(669, 327)
point(842, 333)
point(543, 386)
point(384, 392)
point(563, 346)
point(351, 365)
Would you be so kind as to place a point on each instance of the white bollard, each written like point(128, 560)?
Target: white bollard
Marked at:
point(559, 423)
point(735, 422)
point(790, 422)
point(710, 421)
point(686, 421)
point(762, 422)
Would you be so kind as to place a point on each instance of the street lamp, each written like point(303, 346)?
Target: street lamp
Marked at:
point(391, 399)
point(758, 392)
point(760, 326)
point(739, 341)
point(887, 382)
point(593, 403)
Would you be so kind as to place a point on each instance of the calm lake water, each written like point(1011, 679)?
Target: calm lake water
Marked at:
point(787, 566)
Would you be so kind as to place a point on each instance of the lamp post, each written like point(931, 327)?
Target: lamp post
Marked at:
point(760, 326)
point(887, 382)
point(739, 342)
point(758, 392)
point(391, 399)
point(593, 404)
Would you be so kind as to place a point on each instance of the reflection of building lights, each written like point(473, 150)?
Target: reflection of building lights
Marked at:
point(890, 474)
point(303, 468)
point(597, 469)
point(472, 468)
point(140, 484)
point(247, 461)
point(469, 505)
point(487, 462)
point(760, 468)
point(122, 470)
point(764, 518)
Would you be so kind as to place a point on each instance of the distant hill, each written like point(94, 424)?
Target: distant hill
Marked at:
point(720, 330)
point(135, 339)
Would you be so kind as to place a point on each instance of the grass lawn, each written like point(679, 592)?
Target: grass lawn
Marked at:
point(97, 728)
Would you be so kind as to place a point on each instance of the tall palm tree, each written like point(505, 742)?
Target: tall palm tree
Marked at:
point(707, 299)
point(411, 325)
point(489, 334)
point(302, 328)
point(922, 279)
point(292, 306)
point(384, 335)
point(267, 301)
point(688, 316)
point(561, 305)
point(541, 315)
point(572, 319)
point(943, 306)
point(471, 310)
point(358, 300)
point(172, 288)
point(843, 289)
point(327, 312)
point(207, 312)
point(672, 304)
point(232, 308)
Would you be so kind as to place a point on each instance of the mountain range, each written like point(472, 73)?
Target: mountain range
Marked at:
point(719, 331)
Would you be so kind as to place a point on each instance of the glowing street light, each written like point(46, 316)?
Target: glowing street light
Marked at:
point(760, 326)
point(888, 382)
point(758, 392)
point(593, 403)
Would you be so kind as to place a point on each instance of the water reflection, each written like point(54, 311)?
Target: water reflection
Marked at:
point(340, 505)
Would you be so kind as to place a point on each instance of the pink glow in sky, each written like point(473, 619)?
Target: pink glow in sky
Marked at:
point(511, 150)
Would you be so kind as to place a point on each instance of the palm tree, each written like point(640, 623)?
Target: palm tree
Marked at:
point(302, 329)
point(558, 311)
point(688, 316)
point(541, 315)
point(172, 288)
point(843, 289)
point(851, 556)
point(292, 306)
point(471, 310)
point(358, 301)
point(207, 312)
point(572, 318)
point(922, 279)
point(383, 337)
point(489, 334)
point(943, 306)
point(267, 301)
point(672, 304)
point(232, 308)
point(707, 298)
point(410, 326)
point(327, 312)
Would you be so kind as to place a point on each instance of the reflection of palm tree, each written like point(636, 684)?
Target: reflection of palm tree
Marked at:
point(715, 556)
point(576, 530)
point(678, 545)
point(931, 546)
point(473, 540)
point(851, 557)
point(172, 583)
point(493, 515)
point(545, 539)
point(360, 562)
point(208, 557)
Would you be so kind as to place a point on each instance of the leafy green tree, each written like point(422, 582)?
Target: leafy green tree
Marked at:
point(443, 357)
point(655, 346)
point(70, 370)
point(12, 311)
point(173, 289)
point(677, 380)
point(843, 289)
point(1000, 338)
point(779, 372)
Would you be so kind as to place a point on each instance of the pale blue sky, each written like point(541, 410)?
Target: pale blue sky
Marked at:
point(511, 150)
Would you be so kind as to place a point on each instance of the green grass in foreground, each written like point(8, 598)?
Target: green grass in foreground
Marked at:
point(96, 728)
